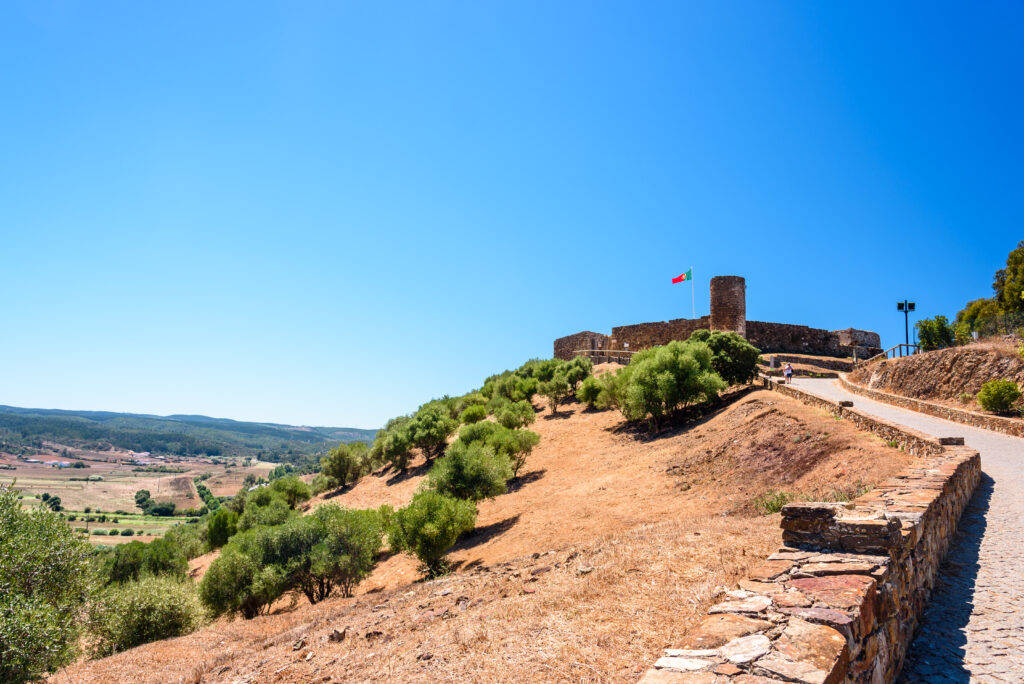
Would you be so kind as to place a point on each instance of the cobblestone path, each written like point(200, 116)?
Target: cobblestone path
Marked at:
point(973, 628)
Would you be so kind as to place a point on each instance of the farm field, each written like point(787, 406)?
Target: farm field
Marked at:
point(115, 479)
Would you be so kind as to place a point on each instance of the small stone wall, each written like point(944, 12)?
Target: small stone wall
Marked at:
point(566, 347)
point(1009, 426)
point(839, 602)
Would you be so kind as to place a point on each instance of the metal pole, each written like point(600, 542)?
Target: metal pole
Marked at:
point(693, 297)
point(906, 321)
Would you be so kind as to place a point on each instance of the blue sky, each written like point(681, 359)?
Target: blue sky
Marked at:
point(327, 213)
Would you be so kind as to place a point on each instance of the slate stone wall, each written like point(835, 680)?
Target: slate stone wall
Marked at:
point(840, 600)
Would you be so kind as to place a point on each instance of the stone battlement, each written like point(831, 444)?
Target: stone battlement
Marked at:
point(728, 312)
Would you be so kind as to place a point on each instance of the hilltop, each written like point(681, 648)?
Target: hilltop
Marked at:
point(27, 430)
point(608, 546)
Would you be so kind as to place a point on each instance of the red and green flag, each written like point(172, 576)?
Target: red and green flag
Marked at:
point(684, 277)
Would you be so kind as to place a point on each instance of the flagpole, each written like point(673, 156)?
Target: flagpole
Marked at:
point(693, 297)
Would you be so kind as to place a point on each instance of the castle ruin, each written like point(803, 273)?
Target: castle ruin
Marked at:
point(728, 313)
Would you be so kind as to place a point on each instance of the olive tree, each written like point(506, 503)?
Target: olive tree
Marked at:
point(429, 526)
point(44, 579)
point(470, 471)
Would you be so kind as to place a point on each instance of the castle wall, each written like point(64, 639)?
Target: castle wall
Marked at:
point(566, 347)
point(645, 335)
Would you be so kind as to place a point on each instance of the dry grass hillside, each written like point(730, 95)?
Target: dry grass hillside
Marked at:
point(944, 375)
point(600, 555)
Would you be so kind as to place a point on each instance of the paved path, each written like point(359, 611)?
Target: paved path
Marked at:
point(973, 628)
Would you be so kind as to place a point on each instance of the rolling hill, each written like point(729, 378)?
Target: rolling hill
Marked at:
point(29, 428)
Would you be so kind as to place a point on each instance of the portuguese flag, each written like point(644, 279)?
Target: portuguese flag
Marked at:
point(684, 277)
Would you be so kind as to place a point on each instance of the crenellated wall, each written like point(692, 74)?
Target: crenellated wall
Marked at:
point(728, 312)
point(840, 600)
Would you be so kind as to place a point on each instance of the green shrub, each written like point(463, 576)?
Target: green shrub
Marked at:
point(129, 562)
point(516, 415)
point(294, 490)
point(99, 532)
point(264, 508)
point(771, 501)
point(496, 403)
point(998, 396)
point(473, 414)
point(190, 540)
point(515, 445)
point(321, 483)
point(577, 370)
point(429, 526)
point(44, 577)
point(235, 583)
point(128, 615)
point(557, 390)
point(393, 442)
point(663, 379)
point(734, 359)
point(588, 391)
point(470, 471)
point(430, 429)
point(346, 463)
point(348, 551)
point(127, 533)
point(221, 526)
point(477, 432)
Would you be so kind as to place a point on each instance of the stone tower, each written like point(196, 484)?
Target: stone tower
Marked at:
point(729, 304)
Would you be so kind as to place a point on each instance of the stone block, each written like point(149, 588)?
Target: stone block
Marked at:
point(717, 630)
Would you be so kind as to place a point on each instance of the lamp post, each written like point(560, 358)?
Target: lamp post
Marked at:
point(906, 307)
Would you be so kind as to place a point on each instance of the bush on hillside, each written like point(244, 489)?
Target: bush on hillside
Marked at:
point(470, 471)
point(128, 615)
point(663, 379)
point(264, 508)
point(430, 429)
point(556, 390)
point(429, 526)
point(734, 359)
point(44, 576)
point(473, 414)
point(515, 445)
point(221, 526)
point(477, 432)
point(235, 583)
point(348, 551)
point(321, 483)
point(588, 392)
point(470, 399)
point(345, 463)
point(998, 396)
point(516, 415)
point(393, 442)
point(131, 561)
point(577, 370)
point(294, 490)
point(189, 539)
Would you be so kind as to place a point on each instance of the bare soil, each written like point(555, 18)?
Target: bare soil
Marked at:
point(602, 553)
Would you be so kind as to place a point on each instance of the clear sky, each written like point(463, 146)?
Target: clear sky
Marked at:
point(327, 213)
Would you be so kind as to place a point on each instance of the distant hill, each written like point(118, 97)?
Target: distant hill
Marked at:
point(182, 435)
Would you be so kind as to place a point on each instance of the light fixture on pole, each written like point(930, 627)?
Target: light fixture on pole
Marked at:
point(906, 307)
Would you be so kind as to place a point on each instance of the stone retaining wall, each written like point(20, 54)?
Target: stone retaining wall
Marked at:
point(1009, 426)
point(839, 602)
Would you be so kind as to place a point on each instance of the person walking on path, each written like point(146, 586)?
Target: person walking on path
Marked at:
point(788, 372)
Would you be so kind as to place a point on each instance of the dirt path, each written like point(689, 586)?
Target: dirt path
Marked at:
point(973, 628)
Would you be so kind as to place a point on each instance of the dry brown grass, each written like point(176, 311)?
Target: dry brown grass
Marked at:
point(662, 519)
